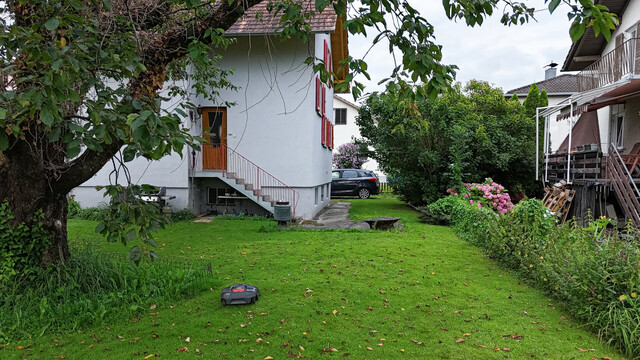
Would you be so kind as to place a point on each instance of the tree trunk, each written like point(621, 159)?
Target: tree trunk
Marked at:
point(24, 184)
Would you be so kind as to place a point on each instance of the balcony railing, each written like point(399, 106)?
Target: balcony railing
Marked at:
point(613, 66)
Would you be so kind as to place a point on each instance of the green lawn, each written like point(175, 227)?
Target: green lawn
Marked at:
point(417, 294)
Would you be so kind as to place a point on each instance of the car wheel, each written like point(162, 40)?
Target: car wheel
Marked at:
point(364, 193)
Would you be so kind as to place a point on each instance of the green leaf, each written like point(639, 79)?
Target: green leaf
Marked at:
point(100, 228)
point(52, 24)
point(3, 114)
point(553, 5)
point(576, 31)
point(4, 141)
point(131, 235)
point(46, 116)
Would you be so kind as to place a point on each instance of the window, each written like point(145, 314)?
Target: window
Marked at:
point(340, 116)
point(214, 122)
point(617, 125)
point(322, 193)
point(349, 174)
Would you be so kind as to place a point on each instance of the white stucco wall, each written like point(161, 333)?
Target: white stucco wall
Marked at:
point(629, 18)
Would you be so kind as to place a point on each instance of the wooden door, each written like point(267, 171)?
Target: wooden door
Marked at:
point(214, 130)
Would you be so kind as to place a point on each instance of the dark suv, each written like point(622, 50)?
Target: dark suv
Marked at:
point(354, 182)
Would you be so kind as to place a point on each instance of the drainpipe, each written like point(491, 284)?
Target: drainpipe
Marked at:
point(569, 147)
point(547, 139)
point(538, 139)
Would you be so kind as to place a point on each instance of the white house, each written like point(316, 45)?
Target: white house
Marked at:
point(346, 130)
point(273, 145)
point(600, 157)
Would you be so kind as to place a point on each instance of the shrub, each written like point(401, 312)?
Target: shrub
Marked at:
point(594, 270)
point(488, 194)
point(90, 289)
point(349, 156)
point(181, 215)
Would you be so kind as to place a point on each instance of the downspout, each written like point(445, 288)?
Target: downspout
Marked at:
point(569, 147)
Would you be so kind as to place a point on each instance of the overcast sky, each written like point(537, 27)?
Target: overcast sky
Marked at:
point(507, 57)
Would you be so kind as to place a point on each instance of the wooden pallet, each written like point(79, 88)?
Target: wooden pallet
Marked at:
point(558, 201)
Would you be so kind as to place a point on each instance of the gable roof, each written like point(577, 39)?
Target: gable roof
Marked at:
point(348, 103)
point(589, 48)
point(258, 21)
point(565, 84)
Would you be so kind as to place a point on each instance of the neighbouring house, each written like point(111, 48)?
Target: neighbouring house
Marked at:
point(600, 156)
point(346, 130)
point(558, 88)
point(274, 144)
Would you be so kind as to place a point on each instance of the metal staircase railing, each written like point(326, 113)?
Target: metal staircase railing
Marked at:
point(623, 185)
point(264, 186)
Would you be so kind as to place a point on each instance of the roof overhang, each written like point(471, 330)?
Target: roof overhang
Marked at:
point(588, 48)
point(581, 99)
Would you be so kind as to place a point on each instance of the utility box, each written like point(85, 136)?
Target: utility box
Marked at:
point(282, 212)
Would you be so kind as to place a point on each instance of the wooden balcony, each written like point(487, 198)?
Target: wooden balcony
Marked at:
point(622, 61)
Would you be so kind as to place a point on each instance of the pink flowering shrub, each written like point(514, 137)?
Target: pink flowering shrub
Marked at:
point(489, 194)
point(348, 157)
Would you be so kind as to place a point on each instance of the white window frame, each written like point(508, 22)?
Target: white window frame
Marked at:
point(617, 125)
point(335, 116)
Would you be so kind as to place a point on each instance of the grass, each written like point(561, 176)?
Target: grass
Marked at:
point(374, 295)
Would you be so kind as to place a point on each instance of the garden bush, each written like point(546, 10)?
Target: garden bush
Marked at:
point(595, 270)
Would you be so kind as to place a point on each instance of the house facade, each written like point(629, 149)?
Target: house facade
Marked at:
point(268, 141)
point(599, 156)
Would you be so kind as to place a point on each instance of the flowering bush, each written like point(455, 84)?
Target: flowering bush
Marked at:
point(348, 157)
point(488, 194)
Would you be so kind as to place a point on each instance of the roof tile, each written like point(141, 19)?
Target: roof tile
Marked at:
point(562, 84)
point(258, 21)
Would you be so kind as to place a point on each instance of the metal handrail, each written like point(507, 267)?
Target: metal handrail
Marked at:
point(614, 148)
point(264, 183)
point(610, 68)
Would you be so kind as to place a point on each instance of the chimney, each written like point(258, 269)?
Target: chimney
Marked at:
point(551, 71)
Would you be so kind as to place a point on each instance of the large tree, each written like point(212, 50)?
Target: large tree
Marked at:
point(81, 80)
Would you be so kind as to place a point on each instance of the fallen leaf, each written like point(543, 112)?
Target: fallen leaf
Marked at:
point(243, 325)
point(148, 356)
point(197, 351)
point(382, 292)
point(459, 340)
point(152, 307)
point(506, 349)
point(369, 348)
point(259, 340)
point(300, 347)
point(263, 314)
point(283, 321)
point(335, 312)
point(482, 346)
point(466, 334)
point(333, 349)
point(182, 349)
point(187, 340)
point(268, 358)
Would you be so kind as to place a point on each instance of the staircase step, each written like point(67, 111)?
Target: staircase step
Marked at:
point(266, 197)
point(248, 187)
point(231, 175)
point(239, 181)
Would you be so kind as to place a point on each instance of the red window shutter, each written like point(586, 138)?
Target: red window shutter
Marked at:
point(318, 94)
point(325, 56)
point(324, 101)
point(323, 131)
point(330, 69)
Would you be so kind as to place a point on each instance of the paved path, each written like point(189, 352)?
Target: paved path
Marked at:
point(335, 216)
